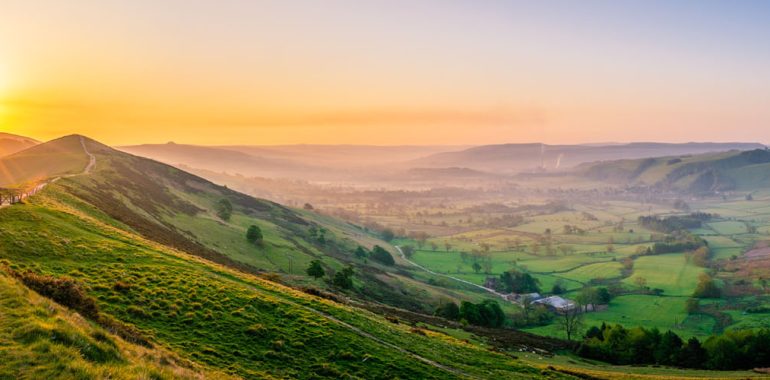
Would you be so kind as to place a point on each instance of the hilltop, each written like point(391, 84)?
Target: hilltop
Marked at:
point(511, 158)
point(58, 157)
point(130, 234)
point(700, 174)
point(10, 143)
point(181, 210)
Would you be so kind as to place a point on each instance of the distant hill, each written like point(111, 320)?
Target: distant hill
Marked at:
point(704, 173)
point(10, 143)
point(55, 158)
point(447, 173)
point(511, 158)
point(178, 209)
point(220, 159)
point(143, 252)
point(308, 162)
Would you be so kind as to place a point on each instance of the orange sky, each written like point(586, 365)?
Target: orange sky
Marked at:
point(384, 72)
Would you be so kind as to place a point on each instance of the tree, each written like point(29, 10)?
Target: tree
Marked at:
point(707, 287)
point(558, 287)
point(408, 251)
point(448, 246)
point(315, 269)
point(433, 246)
point(476, 266)
point(361, 252)
point(527, 307)
point(700, 256)
point(388, 234)
point(588, 296)
point(254, 235)
point(514, 281)
point(693, 355)
point(382, 256)
point(641, 282)
point(449, 310)
point(603, 296)
point(308, 206)
point(570, 321)
point(668, 351)
point(224, 209)
point(488, 313)
point(344, 278)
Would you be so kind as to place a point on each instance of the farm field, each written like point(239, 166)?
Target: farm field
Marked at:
point(587, 260)
point(671, 273)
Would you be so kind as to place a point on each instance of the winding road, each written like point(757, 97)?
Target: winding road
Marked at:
point(492, 291)
point(87, 170)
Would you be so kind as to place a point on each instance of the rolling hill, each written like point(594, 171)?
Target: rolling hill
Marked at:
point(56, 158)
point(178, 209)
point(512, 158)
point(10, 143)
point(134, 247)
point(703, 174)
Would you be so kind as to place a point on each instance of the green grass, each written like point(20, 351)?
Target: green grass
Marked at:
point(61, 156)
point(40, 339)
point(222, 319)
point(606, 270)
point(670, 272)
point(664, 313)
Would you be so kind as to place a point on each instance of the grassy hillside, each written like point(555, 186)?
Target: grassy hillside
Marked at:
point(222, 318)
point(40, 339)
point(518, 157)
point(178, 209)
point(55, 158)
point(706, 173)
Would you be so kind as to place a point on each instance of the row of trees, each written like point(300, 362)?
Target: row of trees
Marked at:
point(732, 350)
point(342, 279)
point(488, 313)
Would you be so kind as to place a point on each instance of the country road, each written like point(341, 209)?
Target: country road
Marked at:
point(87, 170)
point(401, 253)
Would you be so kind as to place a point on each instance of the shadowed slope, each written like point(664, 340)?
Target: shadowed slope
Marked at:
point(58, 157)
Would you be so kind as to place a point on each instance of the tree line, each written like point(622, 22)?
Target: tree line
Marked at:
point(733, 350)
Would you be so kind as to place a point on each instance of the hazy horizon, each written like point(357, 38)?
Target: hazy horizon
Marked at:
point(385, 73)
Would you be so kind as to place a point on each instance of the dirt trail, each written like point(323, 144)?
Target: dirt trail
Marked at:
point(87, 170)
point(401, 253)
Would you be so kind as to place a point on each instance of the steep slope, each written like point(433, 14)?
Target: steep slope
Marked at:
point(703, 174)
point(58, 157)
point(219, 317)
point(41, 339)
point(507, 158)
point(10, 143)
point(178, 209)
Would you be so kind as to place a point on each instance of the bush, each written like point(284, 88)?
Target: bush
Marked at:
point(382, 256)
point(64, 291)
point(224, 209)
point(315, 269)
point(254, 235)
point(344, 278)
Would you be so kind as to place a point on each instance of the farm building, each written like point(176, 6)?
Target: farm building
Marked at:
point(556, 303)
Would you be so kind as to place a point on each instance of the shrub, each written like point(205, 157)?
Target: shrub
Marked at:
point(254, 235)
point(64, 291)
point(382, 256)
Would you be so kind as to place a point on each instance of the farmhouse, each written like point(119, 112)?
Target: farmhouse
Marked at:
point(556, 303)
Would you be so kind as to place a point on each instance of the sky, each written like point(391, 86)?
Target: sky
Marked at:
point(386, 72)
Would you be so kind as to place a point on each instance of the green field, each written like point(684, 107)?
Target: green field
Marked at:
point(670, 272)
